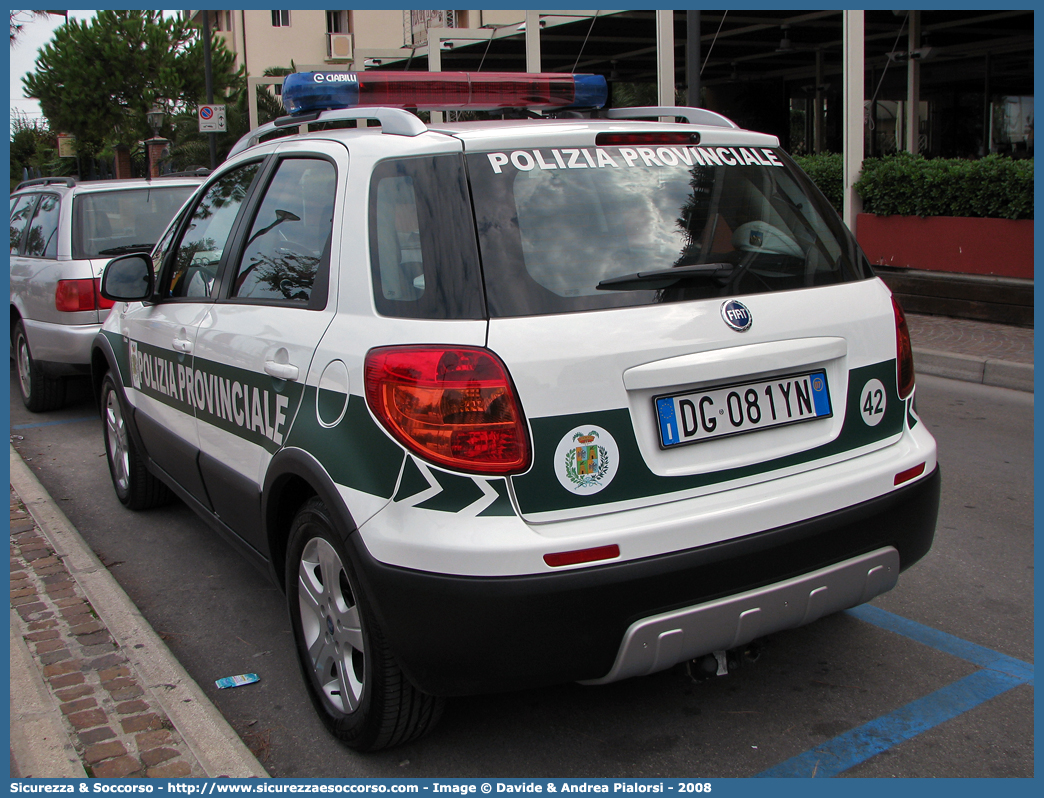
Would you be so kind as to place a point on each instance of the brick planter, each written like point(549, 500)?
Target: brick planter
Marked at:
point(993, 247)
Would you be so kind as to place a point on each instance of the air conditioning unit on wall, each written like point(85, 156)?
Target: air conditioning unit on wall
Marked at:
point(339, 46)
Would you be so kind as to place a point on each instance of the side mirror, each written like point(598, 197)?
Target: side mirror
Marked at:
point(128, 278)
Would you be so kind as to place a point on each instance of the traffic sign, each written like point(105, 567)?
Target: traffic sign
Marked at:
point(212, 119)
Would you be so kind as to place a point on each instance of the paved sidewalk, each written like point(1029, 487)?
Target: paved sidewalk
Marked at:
point(94, 691)
point(974, 351)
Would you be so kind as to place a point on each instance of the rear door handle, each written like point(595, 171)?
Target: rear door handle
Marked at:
point(281, 371)
point(182, 345)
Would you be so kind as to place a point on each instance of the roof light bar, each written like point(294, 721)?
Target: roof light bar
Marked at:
point(304, 92)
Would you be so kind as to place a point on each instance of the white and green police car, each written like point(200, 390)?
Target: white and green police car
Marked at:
point(509, 403)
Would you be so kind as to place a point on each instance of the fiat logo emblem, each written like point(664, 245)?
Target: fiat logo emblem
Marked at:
point(736, 315)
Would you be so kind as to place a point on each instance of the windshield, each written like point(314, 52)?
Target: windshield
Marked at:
point(109, 223)
point(555, 224)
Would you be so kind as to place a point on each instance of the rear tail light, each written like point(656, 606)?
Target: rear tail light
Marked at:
point(903, 352)
point(455, 407)
point(75, 295)
point(103, 303)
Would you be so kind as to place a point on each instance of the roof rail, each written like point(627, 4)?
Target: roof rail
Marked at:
point(44, 181)
point(200, 171)
point(395, 121)
point(694, 116)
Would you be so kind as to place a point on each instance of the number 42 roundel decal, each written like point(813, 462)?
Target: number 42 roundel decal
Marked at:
point(872, 402)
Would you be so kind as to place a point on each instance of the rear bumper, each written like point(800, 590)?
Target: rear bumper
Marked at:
point(61, 349)
point(458, 635)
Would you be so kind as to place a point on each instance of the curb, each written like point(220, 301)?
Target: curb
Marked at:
point(216, 747)
point(969, 368)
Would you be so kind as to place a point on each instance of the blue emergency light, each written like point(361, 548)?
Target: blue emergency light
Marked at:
point(306, 92)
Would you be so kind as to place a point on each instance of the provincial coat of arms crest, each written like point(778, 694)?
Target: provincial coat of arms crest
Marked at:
point(587, 460)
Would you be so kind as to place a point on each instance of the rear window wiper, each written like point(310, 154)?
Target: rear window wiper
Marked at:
point(665, 278)
point(127, 248)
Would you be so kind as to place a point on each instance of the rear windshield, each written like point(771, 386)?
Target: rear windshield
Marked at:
point(109, 223)
point(554, 224)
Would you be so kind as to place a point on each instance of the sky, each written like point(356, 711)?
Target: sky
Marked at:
point(36, 33)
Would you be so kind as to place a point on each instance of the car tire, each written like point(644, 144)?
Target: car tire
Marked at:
point(40, 393)
point(135, 486)
point(358, 689)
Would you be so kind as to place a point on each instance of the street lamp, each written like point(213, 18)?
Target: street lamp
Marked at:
point(155, 119)
point(154, 146)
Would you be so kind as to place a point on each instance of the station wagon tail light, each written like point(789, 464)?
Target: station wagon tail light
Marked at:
point(455, 407)
point(903, 353)
point(306, 92)
point(75, 295)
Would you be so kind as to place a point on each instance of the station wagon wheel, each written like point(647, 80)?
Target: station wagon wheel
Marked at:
point(40, 393)
point(357, 688)
point(135, 486)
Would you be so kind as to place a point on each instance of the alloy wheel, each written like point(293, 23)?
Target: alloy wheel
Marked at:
point(116, 435)
point(331, 624)
point(24, 365)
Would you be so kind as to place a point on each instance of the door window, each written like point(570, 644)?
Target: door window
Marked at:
point(206, 238)
point(287, 252)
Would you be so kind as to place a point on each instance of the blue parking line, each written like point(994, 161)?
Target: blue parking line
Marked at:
point(53, 423)
point(947, 643)
point(999, 674)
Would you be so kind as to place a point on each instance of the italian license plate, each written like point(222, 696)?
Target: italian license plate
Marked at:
point(733, 410)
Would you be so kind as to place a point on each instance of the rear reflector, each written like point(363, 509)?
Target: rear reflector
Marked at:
point(908, 474)
point(582, 555)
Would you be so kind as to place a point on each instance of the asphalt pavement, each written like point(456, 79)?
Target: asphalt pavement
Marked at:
point(96, 692)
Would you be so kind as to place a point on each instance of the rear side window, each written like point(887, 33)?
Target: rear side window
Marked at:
point(21, 208)
point(42, 239)
point(554, 224)
point(423, 253)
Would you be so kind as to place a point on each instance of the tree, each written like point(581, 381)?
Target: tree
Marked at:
point(98, 79)
point(33, 146)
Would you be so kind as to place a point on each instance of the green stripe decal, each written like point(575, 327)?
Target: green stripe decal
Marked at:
point(261, 409)
point(119, 349)
point(253, 406)
point(457, 493)
point(412, 482)
point(356, 453)
point(502, 504)
point(539, 490)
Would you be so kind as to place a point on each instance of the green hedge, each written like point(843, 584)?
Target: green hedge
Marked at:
point(828, 173)
point(909, 185)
